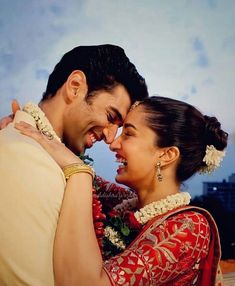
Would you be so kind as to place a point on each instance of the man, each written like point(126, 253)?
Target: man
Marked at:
point(87, 97)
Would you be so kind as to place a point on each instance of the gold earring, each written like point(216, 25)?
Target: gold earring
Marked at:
point(159, 175)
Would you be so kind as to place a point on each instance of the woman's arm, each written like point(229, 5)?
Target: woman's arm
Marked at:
point(77, 258)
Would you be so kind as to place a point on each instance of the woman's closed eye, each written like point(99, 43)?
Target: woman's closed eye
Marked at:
point(128, 134)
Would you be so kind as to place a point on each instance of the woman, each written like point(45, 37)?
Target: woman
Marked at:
point(161, 240)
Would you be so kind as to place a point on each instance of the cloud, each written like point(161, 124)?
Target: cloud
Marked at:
point(201, 56)
point(229, 44)
point(42, 74)
point(198, 45)
point(212, 3)
point(56, 9)
point(184, 49)
point(193, 89)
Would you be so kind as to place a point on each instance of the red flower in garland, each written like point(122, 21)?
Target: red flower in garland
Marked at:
point(113, 213)
point(131, 220)
point(98, 218)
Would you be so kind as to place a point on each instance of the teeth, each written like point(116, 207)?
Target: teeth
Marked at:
point(122, 161)
point(93, 139)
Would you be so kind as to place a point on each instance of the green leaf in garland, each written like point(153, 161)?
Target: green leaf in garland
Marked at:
point(125, 230)
point(86, 159)
point(117, 222)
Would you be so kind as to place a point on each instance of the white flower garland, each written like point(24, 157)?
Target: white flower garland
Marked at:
point(146, 213)
point(155, 208)
point(114, 237)
point(40, 118)
point(212, 159)
point(162, 206)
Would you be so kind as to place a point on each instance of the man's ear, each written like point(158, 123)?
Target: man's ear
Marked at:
point(169, 155)
point(76, 85)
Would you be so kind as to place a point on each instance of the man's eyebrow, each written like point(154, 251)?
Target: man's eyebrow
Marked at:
point(126, 125)
point(118, 114)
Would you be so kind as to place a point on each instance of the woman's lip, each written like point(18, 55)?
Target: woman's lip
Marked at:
point(118, 156)
point(120, 169)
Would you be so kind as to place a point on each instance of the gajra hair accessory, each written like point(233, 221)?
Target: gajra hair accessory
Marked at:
point(212, 159)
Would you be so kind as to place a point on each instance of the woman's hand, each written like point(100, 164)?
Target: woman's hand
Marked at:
point(8, 119)
point(58, 151)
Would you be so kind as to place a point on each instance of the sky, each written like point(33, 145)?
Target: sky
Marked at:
point(185, 49)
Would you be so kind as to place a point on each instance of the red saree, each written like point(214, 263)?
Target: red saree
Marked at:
point(178, 248)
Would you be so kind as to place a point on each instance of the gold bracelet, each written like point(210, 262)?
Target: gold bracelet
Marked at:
point(72, 169)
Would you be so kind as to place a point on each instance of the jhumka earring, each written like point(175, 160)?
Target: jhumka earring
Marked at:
point(159, 175)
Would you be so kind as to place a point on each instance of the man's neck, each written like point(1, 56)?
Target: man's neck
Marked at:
point(54, 113)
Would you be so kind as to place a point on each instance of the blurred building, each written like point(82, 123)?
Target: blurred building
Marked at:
point(224, 191)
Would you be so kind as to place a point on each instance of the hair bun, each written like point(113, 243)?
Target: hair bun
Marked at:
point(214, 135)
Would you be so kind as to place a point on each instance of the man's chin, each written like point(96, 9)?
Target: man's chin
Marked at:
point(77, 149)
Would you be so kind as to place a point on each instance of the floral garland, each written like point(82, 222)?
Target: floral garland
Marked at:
point(162, 206)
point(40, 118)
point(116, 230)
point(122, 224)
point(43, 124)
point(212, 159)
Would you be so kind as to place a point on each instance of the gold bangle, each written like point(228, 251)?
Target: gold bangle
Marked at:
point(72, 169)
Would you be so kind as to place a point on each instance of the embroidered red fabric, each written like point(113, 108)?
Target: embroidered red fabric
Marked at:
point(179, 248)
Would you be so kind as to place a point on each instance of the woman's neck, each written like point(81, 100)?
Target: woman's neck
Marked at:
point(156, 192)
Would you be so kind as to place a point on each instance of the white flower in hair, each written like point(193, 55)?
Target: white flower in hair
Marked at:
point(212, 159)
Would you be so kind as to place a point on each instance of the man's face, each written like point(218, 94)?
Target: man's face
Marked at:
point(96, 120)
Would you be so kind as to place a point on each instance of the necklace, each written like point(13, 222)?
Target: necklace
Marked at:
point(122, 225)
point(162, 206)
point(40, 118)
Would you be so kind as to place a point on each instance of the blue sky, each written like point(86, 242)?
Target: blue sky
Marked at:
point(185, 49)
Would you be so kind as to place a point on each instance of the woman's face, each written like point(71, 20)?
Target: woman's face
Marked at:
point(136, 151)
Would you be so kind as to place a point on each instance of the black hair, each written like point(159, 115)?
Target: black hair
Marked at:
point(180, 124)
point(105, 66)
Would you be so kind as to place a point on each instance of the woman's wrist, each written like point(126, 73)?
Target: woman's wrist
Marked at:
point(75, 168)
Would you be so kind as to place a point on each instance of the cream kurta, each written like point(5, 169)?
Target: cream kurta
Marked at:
point(31, 192)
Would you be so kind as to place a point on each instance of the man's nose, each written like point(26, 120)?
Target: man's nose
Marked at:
point(115, 145)
point(110, 133)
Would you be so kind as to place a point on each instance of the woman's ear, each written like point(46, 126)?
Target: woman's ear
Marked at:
point(76, 85)
point(169, 155)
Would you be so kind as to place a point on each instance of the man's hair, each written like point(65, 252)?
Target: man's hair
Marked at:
point(105, 66)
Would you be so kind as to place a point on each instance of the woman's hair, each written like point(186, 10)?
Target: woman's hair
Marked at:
point(179, 124)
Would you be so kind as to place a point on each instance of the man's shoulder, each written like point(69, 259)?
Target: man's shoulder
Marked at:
point(15, 146)
point(10, 133)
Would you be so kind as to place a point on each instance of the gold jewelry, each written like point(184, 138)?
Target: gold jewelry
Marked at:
point(134, 105)
point(48, 134)
point(72, 169)
point(159, 175)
